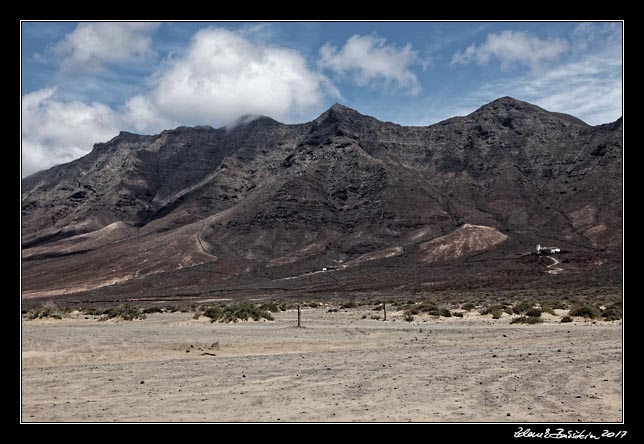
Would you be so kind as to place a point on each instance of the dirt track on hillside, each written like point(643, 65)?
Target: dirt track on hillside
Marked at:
point(340, 367)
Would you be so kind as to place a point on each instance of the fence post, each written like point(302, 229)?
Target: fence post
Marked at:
point(384, 309)
point(298, 315)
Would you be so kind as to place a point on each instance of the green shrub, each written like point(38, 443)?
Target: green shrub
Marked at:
point(48, 310)
point(612, 314)
point(585, 311)
point(521, 307)
point(533, 313)
point(526, 320)
point(445, 312)
point(89, 311)
point(127, 313)
point(548, 309)
point(270, 306)
point(235, 312)
point(555, 305)
point(468, 306)
point(494, 310)
point(566, 319)
point(150, 310)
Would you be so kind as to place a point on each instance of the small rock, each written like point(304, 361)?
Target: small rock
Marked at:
point(142, 382)
point(243, 376)
point(508, 414)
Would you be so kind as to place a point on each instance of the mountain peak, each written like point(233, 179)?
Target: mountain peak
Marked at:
point(338, 113)
point(509, 106)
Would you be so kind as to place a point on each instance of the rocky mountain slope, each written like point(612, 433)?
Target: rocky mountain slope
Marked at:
point(262, 207)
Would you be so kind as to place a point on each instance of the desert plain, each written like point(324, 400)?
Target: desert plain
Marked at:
point(341, 366)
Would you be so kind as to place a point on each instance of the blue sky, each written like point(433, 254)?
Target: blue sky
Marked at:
point(82, 83)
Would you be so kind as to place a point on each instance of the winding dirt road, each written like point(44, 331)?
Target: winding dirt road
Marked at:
point(555, 270)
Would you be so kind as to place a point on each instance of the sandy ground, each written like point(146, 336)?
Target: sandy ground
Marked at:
point(340, 367)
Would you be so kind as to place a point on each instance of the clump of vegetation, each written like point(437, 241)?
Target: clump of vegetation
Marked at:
point(428, 307)
point(270, 306)
point(90, 311)
point(555, 305)
point(468, 306)
point(526, 320)
point(495, 310)
point(458, 314)
point(150, 310)
point(444, 312)
point(48, 310)
point(566, 319)
point(332, 310)
point(312, 305)
point(349, 304)
point(612, 312)
point(235, 312)
point(44, 313)
point(533, 313)
point(179, 308)
point(548, 309)
point(521, 307)
point(585, 311)
point(409, 317)
point(377, 317)
point(126, 312)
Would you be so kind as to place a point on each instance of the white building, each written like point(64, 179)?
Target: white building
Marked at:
point(547, 250)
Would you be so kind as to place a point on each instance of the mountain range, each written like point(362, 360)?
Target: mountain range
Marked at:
point(342, 205)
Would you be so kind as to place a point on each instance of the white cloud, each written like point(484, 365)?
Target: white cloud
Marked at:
point(223, 75)
point(512, 48)
point(92, 45)
point(589, 87)
point(220, 77)
point(373, 62)
point(56, 131)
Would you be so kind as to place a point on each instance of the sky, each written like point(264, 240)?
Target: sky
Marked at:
point(84, 82)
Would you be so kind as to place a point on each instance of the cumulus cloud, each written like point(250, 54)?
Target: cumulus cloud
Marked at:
point(220, 77)
point(511, 48)
point(92, 45)
point(223, 76)
point(56, 131)
point(373, 62)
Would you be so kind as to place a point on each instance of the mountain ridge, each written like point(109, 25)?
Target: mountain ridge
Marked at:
point(265, 199)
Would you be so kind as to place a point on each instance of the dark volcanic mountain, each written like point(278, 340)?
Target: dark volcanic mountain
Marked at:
point(262, 207)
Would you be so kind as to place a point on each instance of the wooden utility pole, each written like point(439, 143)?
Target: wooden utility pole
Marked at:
point(298, 315)
point(384, 310)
